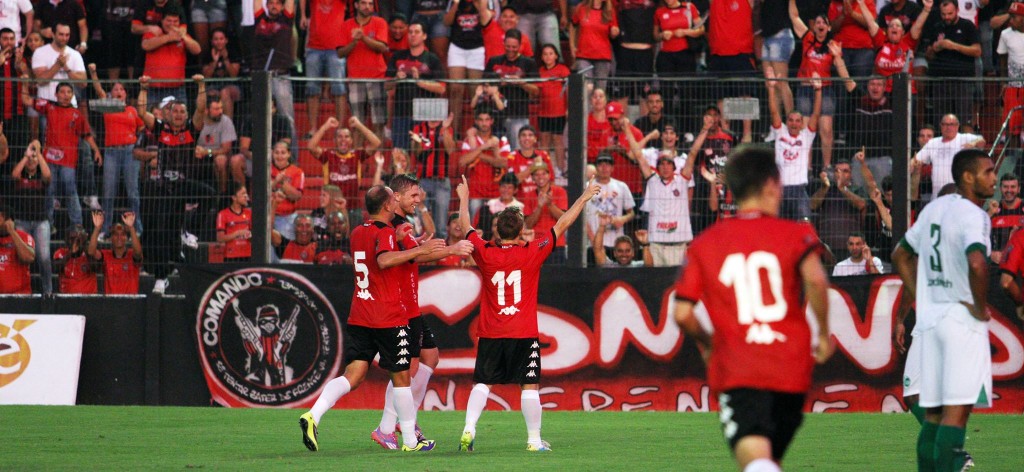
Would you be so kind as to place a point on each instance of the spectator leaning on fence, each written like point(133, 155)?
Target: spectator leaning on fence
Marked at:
point(939, 151)
point(614, 201)
point(793, 144)
point(76, 271)
point(1007, 214)
point(667, 195)
point(485, 158)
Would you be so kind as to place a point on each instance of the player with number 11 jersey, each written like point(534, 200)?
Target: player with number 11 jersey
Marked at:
point(511, 274)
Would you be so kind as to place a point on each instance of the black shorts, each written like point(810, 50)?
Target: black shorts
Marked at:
point(393, 344)
point(422, 336)
point(738, 66)
point(507, 361)
point(750, 412)
point(634, 68)
point(554, 124)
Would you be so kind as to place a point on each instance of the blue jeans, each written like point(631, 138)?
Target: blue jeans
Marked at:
point(324, 63)
point(117, 163)
point(400, 127)
point(439, 197)
point(796, 205)
point(40, 232)
point(64, 186)
point(86, 170)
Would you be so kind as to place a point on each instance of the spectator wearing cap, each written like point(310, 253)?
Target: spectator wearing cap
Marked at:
point(626, 168)
point(667, 195)
point(615, 202)
point(521, 161)
point(166, 54)
point(1011, 64)
point(75, 269)
point(507, 190)
point(543, 208)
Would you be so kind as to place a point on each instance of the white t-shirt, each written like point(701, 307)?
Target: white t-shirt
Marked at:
point(615, 199)
point(10, 15)
point(46, 56)
point(940, 154)
point(1011, 43)
point(941, 237)
point(668, 205)
point(848, 267)
point(792, 154)
point(969, 10)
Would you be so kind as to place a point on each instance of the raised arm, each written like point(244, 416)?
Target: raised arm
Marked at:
point(836, 49)
point(314, 142)
point(799, 27)
point(922, 18)
point(866, 13)
point(372, 140)
point(574, 211)
point(199, 116)
point(773, 105)
point(147, 118)
point(812, 123)
point(463, 192)
point(95, 80)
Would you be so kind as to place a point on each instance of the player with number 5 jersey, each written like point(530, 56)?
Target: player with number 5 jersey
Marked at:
point(760, 353)
point(508, 351)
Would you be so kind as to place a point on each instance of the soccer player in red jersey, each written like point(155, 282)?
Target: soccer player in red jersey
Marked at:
point(121, 264)
point(410, 196)
point(17, 253)
point(759, 356)
point(76, 271)
point(508, 351)
point(1012, 268)
point(377, 322)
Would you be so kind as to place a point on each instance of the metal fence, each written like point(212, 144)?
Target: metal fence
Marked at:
point(334, 145)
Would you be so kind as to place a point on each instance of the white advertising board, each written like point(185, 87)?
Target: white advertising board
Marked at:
point(40, 357)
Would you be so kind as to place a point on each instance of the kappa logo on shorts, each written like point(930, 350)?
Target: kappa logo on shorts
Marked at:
point(533, 365)
point(403, 343)
point(402, 333)
point(403, 352)
point(268, 337)
point(531, 374)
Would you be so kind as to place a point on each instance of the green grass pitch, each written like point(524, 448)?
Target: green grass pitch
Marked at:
point(168, 438)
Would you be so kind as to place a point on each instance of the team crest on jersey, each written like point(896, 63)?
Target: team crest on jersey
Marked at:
point(267, 337)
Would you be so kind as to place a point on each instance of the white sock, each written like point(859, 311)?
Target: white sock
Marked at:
point(333, 392)
point(419, 384)
point(762, 465)
point(390, 416)
point(530, 401)
point(406, 414)
point(475, 406)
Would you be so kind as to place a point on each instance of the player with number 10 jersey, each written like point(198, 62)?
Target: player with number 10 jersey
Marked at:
point(751, 287)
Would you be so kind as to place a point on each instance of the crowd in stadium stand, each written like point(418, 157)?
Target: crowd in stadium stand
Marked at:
point(138, 112)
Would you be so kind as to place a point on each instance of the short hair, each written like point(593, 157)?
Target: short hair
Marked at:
point(857, 234)
point(423, 26)
point(331, 189)
point(527, 128)
point(1008, 177)
point(220, 29)
point(483, 110)
point(174, 10)
point(949, 2)
point(887, 183)
point(509, 7)
point(61, 23)
point(624, 239)
point(237, 187)
point(509, 178)
point(947, 189)
point(61, 85)
point(966, 161)
point(302, 216)
point(402, 182)
point(749, 169)
point(510, 223)
point(514, 34)
point(711, 108)
point(376, 197)
point(400, 17)
point(844, 161)
point(6, 31)
point(927, 126)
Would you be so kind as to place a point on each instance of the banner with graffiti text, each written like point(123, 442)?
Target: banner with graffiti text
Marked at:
point(608, 341)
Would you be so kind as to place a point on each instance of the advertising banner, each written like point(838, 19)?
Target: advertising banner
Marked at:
point(608, 339)
point(40, 357)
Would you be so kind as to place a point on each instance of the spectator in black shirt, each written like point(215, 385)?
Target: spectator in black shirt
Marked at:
point(421, 68)
point(951, 54)
point(31, 178)
point(511, 69)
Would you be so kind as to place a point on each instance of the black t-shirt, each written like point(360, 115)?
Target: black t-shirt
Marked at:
point(518, 99)
point(775, 17)
point(949, 63)
point(872, 124)
point(645, 125)
point(908, 15)
point(466, 31)
point(30, 197)
point(67, 12)
point(636, 21)
point(176, 151)
point(429, 67)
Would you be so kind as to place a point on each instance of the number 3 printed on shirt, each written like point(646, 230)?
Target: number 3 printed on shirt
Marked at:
point(743, 274)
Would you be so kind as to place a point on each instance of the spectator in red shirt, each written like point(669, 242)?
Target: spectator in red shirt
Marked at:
point(816, 62)
point(485, 158)
point(521, 162)
point(76, 271)
point(673, 24)
point(894, 47)
point(344, 162)
point(852, 33)
point(494, 34)
point(598, 127)
point(166, 56)
point(287, 182)
point(626, 167)
point(544, 207)
point(61, 151)
point(31, 180)
point(322, 42)
point(731, 47)
point(364, 40)
point(553, 106)
point(121, 264)
point(17, 253)
point(594, 25)
point(119, 139)
point(234, 227)
point(398, 31)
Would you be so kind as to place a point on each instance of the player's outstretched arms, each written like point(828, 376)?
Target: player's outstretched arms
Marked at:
point(570, 215)
point(815, 283)
point(392, 258)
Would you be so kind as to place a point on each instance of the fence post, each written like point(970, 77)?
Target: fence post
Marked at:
point(576, 149)
point(261, 119)
point(901, 112)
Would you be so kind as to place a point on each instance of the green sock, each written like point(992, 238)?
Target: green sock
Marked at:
point(926, 447)
point(949, 448)
point(918, 413)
